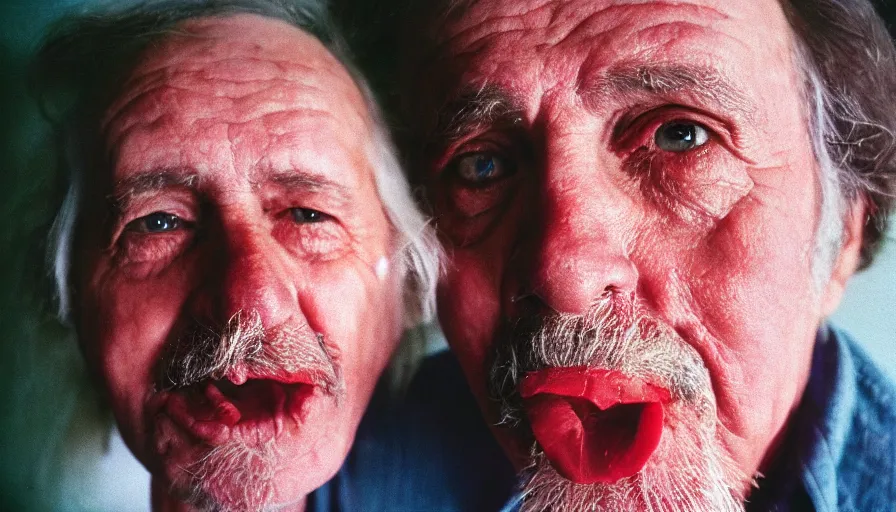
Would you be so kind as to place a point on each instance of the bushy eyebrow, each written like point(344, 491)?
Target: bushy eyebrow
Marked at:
point(309, 181)
point(126, 189)
point(156, 180)
point(473, 109)
point(705, 83)
point(476, 108)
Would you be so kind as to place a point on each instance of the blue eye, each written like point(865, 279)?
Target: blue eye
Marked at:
point(480, 168)
point(156, 222)
point(679, 136)
point(307, 215)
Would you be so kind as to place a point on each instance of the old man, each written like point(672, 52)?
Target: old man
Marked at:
point(238, 250)
point(649, 209)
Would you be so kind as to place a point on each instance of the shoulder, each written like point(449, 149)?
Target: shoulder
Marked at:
point(866, 470)
point(876, 392)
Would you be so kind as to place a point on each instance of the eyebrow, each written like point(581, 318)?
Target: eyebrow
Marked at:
point(126, 189)
point(303, 180)
point(706, 83)
point(473, 109)
point(156, 180)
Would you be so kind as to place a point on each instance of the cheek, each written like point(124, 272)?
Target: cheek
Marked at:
point(360, 315)
point(758, 263)
point(469, 310)
point(126, 325)
point(750, 291)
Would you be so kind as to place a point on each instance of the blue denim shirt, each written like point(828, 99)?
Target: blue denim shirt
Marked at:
point(848, 462)
point(430, 451)
point(434, 453)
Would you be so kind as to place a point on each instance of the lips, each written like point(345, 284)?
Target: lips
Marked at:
point(215, 410)
point(595, 426)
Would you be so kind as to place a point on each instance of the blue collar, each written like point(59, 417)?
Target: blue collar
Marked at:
point(849, 463)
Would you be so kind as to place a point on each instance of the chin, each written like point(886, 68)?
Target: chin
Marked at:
point(689, 471)
point(237, 476)
point(254, 468)
point(233, 476)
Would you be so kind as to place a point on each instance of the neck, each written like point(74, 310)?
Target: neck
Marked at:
point(163, 501)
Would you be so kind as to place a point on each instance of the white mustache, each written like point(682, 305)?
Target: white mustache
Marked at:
point(614, 335)
point(690, 471)
point(202, 354)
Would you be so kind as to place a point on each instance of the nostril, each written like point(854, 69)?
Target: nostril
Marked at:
point(570, 280)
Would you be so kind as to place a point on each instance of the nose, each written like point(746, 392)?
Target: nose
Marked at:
point(245, 273)
point(574, 270)
point(577, 254)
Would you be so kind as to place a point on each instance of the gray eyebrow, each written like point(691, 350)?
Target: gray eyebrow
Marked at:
point(473, 109)
point(666, 79)
point(304, 180)
point(126, 189)
point(154, 180)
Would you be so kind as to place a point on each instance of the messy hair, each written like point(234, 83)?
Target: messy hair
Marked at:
point(848, 65)
point(849, 73)
point(77, 74)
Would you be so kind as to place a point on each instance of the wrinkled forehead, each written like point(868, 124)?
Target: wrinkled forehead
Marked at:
point(464, 14)
point(491, 38)
point(261, 65)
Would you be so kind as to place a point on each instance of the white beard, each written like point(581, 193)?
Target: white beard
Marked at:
point(689, 472)
point(231, 477)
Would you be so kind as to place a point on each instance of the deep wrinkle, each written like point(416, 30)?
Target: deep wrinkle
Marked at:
point(730, 219)
point(228, 135)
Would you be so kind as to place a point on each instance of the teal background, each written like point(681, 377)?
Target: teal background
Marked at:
point(48, 403)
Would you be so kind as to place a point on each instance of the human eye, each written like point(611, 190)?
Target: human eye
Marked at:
point(680, 135)
point(311, 233)
point(473, 186)
point(308, 216)
point(156, 222)
point(686, 162)
point(476, 182)
point(155, 238)
point(671, 132)
point(479, 169)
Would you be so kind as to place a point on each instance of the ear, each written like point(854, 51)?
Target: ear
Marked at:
point(848, 259)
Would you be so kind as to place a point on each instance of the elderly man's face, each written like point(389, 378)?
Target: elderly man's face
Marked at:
point(238, 301)
point(630, 202)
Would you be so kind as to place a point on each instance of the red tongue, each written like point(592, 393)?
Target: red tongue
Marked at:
point(594, 425)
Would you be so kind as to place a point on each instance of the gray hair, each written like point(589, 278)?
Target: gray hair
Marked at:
point(848, 65)
point(76, 75)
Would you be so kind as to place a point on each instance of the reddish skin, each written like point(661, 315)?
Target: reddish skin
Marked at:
point(729, 267)
point(249, 98)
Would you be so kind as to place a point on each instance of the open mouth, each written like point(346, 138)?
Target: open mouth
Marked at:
point(595, 426)
point(215, 410)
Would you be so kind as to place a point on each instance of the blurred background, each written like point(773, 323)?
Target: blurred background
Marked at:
point(48, 398)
